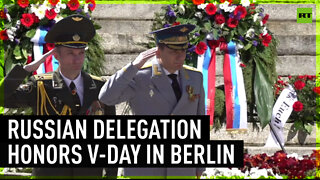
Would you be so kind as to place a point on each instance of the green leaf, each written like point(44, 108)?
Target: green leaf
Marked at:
point(298, 125)
point(31, 33)
point(308, 128)
point(25, 53)
point(17, 52)
point(215, 34)
point(248, 46)
point(208, 26)
point(263, 94)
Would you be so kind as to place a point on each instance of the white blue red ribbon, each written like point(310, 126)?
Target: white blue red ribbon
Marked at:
point(236, 105)
point(51, 64)
point(207, 65)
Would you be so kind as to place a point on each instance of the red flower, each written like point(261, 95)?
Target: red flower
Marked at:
point(298, 106)
point(310, 77)
point(211, 9)
point(299, 85)
point(51, 14)
point(289, 77)
point(54, 2)
point(198, 2)
point(316, 90)
point(73, 5)
point(201, 48)
point(232, 23)
point(29, 59)
point(265, 19)
point(50, 46)
point(242, 65)
point(35, 18)
point(176, 23)
point(222, 1)
point(219, 19)
point(3, 15)
point(266, 39)
point(92, 4)
point(23, 3)
point(241, 11)
point(4, 35)
point(213, 43)
point(27, 20)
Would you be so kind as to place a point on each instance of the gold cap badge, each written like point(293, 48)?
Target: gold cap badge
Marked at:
point(184, 29)
point(77, 18)
point(76, 37)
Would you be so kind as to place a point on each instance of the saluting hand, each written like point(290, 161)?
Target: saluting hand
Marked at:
point(144, 56)
point(33, 66)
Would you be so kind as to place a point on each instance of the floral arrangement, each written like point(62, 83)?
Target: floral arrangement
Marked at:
point(280, 166)
point(21, 19)
point(217, 23)
point(305, 112)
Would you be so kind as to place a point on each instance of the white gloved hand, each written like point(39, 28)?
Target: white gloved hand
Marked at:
point(144, 56)
point(34, 65)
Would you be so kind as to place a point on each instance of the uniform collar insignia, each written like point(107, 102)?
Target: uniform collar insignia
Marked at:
point(156, 70)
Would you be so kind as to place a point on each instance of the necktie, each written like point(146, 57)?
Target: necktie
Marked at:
point(75, 96)
point(175, 85)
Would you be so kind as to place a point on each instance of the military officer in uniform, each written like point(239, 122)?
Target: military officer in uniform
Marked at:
point(67, 91)
point(161, 86)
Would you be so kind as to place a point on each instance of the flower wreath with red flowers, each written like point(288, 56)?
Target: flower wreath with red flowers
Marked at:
point(20, 20)
point(217, 23)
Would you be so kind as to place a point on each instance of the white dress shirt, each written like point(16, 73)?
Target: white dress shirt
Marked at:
point(78, 82)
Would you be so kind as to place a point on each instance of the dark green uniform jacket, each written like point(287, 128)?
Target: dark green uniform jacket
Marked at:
point(57, 96)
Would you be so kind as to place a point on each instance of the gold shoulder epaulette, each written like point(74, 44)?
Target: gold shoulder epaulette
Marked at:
point(97, 78)
point(40, 77)
point(191, 68)
point(147, 65)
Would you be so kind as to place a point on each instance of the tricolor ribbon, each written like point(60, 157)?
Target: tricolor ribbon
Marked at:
point(39, 48)
point(207, 65)
point(236, 105)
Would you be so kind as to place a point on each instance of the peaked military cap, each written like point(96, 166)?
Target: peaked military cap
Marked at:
point(174, 37)
point(74, 31)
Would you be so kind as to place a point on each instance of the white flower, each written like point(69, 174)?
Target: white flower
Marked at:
point(8, 17)
point(85, 8)
point(245, 3)
point(255, 17)
point(265, 31)
point(38, 10)
point(58, 18)
point(240, 46)
point(18, 23)
point(224, 5)
point(210, 36)
point(181, 9)
point(230, 9)
point(11, 38)
point(57, 10)
point(261, 23)
point(250, 33)
point(202, 6)
point(198, 14)
point(13, 29)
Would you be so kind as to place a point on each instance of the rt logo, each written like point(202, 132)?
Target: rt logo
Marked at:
point(304, 15)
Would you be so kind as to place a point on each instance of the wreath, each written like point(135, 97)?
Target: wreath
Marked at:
point(219, 23)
